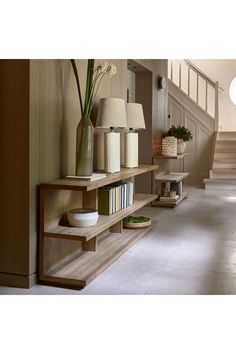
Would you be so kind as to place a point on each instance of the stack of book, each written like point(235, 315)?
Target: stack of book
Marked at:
point(169, 199)
point(114, 197)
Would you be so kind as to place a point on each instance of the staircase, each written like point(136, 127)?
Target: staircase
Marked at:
point(197, 86)
point(193, 101)
point(223, 173)
point(196, 106)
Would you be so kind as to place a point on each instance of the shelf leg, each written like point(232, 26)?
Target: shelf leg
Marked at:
point(41, 231)
point(117, 228)
point(90, 245)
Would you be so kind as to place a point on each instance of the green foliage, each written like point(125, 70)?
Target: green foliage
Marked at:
point(136, 219)
point(180, 132)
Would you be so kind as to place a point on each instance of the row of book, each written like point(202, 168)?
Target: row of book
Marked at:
point(114, 197)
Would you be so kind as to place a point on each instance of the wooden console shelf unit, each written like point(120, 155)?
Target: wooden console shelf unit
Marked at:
point(166, 177)
point(91, 249)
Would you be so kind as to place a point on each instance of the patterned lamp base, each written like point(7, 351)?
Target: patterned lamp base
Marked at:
point(131, 150)
point(112, 152)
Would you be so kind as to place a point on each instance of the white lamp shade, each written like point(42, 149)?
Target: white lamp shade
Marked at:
point(232, 91)
point(111, 113)
point(135, 117)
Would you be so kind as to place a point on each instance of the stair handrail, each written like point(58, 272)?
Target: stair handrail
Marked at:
point(202, 74)
point(208, 81)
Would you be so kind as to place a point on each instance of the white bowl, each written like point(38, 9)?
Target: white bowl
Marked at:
point(82, 217)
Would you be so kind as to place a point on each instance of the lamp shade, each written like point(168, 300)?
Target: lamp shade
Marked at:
point(111, 113)
point(135, 117)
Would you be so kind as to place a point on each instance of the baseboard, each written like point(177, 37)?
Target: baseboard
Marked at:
point(18, 281)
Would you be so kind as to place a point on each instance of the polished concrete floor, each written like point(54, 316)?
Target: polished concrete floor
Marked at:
point(191, 250)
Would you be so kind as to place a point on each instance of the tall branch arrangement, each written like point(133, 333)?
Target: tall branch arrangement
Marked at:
point(93, 81)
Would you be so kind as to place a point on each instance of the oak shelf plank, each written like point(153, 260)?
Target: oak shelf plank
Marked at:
point(104, 222)
point(172, 177)
point(177, 157)
point(88, 265)
point(73, 184)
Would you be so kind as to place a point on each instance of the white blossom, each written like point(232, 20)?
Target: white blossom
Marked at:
point(102, 68)
point(111, 70)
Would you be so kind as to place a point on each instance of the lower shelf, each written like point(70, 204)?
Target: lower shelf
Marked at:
point(159, 203)
point(88, 265)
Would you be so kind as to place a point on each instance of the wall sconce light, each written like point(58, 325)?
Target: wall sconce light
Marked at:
point(161, 83)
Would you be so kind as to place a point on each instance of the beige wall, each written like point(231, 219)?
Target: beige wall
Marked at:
point(222, 70)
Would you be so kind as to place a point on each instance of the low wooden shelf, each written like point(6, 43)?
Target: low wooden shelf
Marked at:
point(92, 249)
point(81, 270)
point(172, 177)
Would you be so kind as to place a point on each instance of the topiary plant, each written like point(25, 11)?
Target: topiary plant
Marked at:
point(180, 132)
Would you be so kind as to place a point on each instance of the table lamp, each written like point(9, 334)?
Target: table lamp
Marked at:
point(135, 121)
point(111, 114)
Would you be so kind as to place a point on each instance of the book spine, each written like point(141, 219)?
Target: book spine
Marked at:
point(104, 202)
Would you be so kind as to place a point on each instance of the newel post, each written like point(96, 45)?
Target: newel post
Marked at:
point(216, 128)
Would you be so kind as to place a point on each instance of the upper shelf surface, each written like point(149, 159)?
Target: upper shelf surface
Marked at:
point(177, 157)
point(73, 184)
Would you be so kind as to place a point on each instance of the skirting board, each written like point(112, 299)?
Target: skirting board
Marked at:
point(18, 281)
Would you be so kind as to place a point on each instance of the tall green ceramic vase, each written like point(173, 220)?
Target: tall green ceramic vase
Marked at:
point(84, 147)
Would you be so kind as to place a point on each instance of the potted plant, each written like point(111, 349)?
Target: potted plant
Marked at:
point(85, 130)
point(182, 134)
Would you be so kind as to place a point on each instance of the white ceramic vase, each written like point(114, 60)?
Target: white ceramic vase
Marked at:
point(181, 146)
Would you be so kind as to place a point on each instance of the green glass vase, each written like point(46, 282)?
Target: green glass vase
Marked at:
point(84, 147)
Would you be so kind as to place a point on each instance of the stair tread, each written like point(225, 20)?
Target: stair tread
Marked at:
point(219, 180)
point(226, 141)
point(223, 153)
point(227, 132)
point(224, 170)
point(225, 160)
point(218, 151)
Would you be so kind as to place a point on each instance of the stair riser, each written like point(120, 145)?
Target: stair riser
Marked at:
point(220, 187)
point(224, 155)
point(226, 136)
point(225, 160)
point(230, 147)
point(224, 165)
point(222, 175)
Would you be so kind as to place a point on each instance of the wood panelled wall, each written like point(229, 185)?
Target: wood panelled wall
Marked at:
point(184, 112)
point(39, 115)
point(14, 173)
